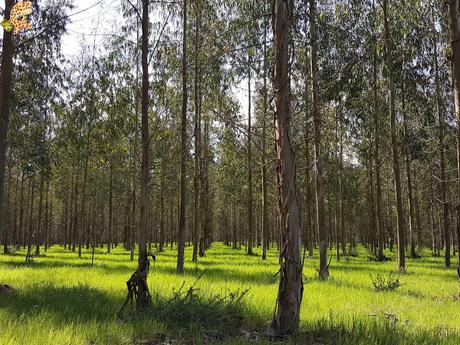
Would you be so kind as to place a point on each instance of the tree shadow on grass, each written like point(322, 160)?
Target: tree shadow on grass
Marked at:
point(80, 302)
point(374, 331)
point(84, 264)
point(231, 275)
point(197, 318)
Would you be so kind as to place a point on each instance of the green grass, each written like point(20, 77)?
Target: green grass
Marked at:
point(62, 299)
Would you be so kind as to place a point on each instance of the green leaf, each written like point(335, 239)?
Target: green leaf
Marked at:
point(6, 25)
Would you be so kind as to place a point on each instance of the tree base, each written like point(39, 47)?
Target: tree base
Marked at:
point(138, 292)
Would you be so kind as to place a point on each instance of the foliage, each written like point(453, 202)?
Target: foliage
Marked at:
point(385, 283)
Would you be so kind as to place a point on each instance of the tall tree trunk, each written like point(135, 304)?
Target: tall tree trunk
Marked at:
point(21, 211)
point(412, 222)
point(171, 222)
point(250, 217)
point(8, 201)
point(15, 238)
point(132, 219)
point(371, 235)
point(38, 239)
point(454, 12)
point(204, 237)
point(183, 172)
point(110, 227)
point(30, 234)
point(320, 209)
point(394, 144)
point(197, 134)
point(75, 225)
point(287, 313)
point(343, 239)
point(162, 222)
point(48, 218)
point(378, 184)
point(143, 295)
point(83, 218)
point(234, 232)
point(264, 147)
point(6, 72)
point(417, 211)
point(442, 162)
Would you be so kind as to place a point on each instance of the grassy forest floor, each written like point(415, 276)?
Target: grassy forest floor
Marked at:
point(61, 299)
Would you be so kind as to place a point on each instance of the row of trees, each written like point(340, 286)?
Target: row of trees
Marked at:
point(141, 139)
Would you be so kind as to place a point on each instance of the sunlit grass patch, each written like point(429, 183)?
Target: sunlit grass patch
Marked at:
point(62, 299)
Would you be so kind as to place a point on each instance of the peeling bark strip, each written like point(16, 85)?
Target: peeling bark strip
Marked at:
point(287, 312)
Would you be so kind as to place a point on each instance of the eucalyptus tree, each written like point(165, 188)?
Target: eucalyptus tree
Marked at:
point(287, 315)
point(394, 143)
point(454, 15)
point(442, 162)
point(183, 171)
point(320, 207)
point(197, 171)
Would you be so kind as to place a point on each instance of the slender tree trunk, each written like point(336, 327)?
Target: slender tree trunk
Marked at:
point(287, 313)
point(162, 222)
point(320, 209)
point(417, 211)
point(30, 234)
point(197, 134)
point(432, 219)
point(83, 220)
point(75, 225)
point(343, 239)
point(110, 227)
point(143, 295)
point(171, 223)
point(132, 220)
point(47, 217)
point(442, 162)
point(15, 238)
point(250, 217)
point(8, 201)
point(394, 144)
point(234, 232)
point(264, 148)
point(21, 211)
point(454, 12)
point(38, 239)
point(371, 235)
point(204, 238)
point(6, 72)
point(412, 222)
point(378, 213)
point(24, 234)
point(307, 222)
point(183, 172)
